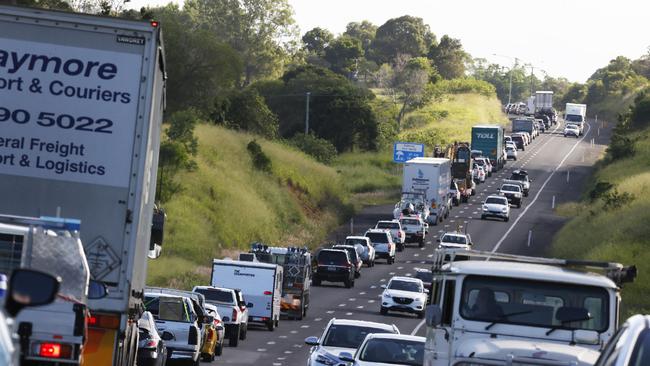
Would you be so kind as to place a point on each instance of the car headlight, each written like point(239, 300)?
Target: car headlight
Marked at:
point(386, 295)
point(518, 195)
point(418, 300)
point(485, 208)
point(326, 360)
point(504, 209)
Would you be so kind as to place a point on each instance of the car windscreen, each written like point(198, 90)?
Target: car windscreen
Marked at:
point(387, 225)
point(216, 295)
point(455, 239)
point(352, 252)
point(405, 286)
point(393, 351)
point(495, 200)
point(348, 336)
point(515, 176)
point(332, 257)
point(355, 242)
point(573, 118)
point(425, 276)
point(550, 305)
point(510, 188)
point(480, 162)
point(377, 237)
point(167, 308)
point(409, 222)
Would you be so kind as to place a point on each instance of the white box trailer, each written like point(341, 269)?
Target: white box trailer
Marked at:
point(261, 284)
point(82, 100)
point(543, 100)
point(432, 176)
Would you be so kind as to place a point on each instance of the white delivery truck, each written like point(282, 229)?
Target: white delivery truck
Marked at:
point(576, 114)
point(433, 177)
point(81, 104)
point(543, 100)
point(261, 284)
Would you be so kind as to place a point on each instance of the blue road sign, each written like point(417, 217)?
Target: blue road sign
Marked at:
point(405, 151)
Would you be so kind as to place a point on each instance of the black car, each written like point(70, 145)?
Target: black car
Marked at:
point(519, 142)
point(151, 348)
point(354, 257)
point(334, 265)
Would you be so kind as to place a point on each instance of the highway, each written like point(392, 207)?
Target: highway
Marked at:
point(558, 167)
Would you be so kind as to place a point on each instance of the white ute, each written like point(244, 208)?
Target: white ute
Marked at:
point(516, 310)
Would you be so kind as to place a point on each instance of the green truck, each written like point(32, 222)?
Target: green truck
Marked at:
point(489, 140)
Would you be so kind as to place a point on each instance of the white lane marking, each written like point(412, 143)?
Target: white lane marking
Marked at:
point(287, 352)
point(362, 293)
point(541, 189)
point(277, 363)
point(318, 319)
point(304, 326)
point(348, 314)
point(429, 242)
point(400, 267)
point(373, 287)
point(391, 273)
point(283, 337)
point(371, 301)
point(360, 307)
point(408, 275)
point(261, 350)
point(330, 311)
point(341, 305)
point(420, 324)
point(382, 280)
point(294, 332)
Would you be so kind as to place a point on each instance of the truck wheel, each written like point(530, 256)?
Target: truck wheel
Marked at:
point(421, 243)
point(270, 325)
point(302, 310)
point(519, 204)
point(506, 219)
point(348, 283)
point(219, 349)
point(243, 332)
point(482, 217)
point(233, 339)
point(315, 281)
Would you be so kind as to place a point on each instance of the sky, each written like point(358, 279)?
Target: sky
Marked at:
point(564, 38)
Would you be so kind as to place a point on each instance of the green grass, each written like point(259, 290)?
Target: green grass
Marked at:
point(621, 235)
point(226, 204)
point(452, 119)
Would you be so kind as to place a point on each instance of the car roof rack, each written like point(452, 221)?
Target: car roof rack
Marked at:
point(616, 272)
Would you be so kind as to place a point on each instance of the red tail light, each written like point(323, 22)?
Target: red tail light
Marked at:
point(268, 293)
point(242, 308)
point(50, 350)
point(154, 24)
point(151, 344)
point(234, 315)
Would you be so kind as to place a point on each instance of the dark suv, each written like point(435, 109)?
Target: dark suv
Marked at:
point(354, 257)
point(334, 265)
point(519, 142)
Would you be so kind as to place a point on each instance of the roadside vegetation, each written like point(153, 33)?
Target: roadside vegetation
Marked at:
point(611, 222)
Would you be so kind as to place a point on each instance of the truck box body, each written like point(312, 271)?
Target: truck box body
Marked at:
point(489, 140)
point(543, 100)
point(530, 106)
point(83, 138)
point(575, 113)
point(261, 284)
point(433, 177)
point(523, 125)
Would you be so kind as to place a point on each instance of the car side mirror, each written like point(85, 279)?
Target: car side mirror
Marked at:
point(207, 319)
point(97, 290)
point(312, 341)
point(167, 336)
point(346, 357)
point(433, 315)
point(249, 305)
point(426, 291)
point(28, 287)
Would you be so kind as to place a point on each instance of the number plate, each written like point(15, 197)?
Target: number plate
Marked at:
point(331, 268)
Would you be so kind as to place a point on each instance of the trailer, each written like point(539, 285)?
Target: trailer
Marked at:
point(489, 140)
point(432, 176)
point(261, 284)
point(84, 105)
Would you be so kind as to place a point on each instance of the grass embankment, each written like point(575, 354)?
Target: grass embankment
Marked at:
point(452, 119)
point(602, 231)
point(226, 204)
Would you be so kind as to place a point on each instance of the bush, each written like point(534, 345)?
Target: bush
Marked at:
point(620, 147)
point(320, 149)
point(615, 200)
point(260, 160)
point(465, 86)
point(599, 190)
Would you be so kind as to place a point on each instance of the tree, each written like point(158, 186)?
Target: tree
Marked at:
point(411, 83)
point(339, 111)
point(200, 67)
point(261, 31)
point(363, 31)
point(343, 55)
point(405, 35)
point(248, 111)
point(316, 40)
point(448, 57)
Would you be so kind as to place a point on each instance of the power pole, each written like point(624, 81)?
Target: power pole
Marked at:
point(307, 114)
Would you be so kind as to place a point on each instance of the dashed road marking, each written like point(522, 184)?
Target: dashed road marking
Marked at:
point(261, 350)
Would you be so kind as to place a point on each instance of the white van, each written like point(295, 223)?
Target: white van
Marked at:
point(261, 284)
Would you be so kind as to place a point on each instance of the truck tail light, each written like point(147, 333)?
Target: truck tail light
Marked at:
point(234, 315)
point(268, 292)
point(104, 321)
point(52, 350)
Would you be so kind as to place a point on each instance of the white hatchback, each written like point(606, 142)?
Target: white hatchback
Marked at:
point(496, 206)
point(388, 349)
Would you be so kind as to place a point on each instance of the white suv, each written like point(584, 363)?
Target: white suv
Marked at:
point(232, 309)
point(455, 240)
point(496, 206)
point(399, 237)
point(404, 294)
point(382, 241)
point(342, 335)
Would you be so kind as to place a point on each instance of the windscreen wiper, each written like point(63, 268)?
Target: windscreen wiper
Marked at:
point(505, 317)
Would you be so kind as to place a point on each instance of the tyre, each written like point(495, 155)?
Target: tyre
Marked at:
point(473, 193)
point(383, 311)
point(421, 315)
point(270, 325)
point(219, 349)
point(391, 260)
point(352, 284)
point(207, 358)
point(357, 274)
point(243, 332)
point(421, 243)
point(233, 339)
point(519, 204)
point(400, 248)
point(515, 159)
point(507, 219)
point(526, 194)
point(315, 281)
point(348, 283)
point(482, 217)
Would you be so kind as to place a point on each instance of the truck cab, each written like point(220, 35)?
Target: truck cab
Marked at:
point(520, 310)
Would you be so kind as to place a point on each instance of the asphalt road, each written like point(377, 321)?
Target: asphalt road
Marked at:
point(558, 167)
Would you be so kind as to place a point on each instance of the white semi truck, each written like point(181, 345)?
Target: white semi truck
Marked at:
point(499, 309)
point(432, 176)
point(81, 111)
